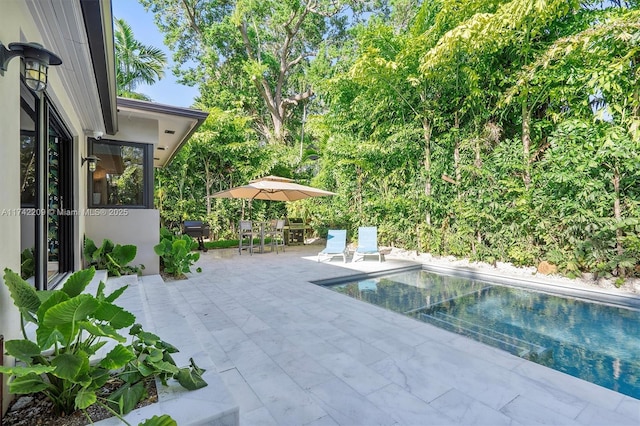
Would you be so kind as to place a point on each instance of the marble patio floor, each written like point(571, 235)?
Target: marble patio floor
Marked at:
point(294, 353)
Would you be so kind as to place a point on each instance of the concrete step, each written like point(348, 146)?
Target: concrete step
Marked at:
point(151, 300)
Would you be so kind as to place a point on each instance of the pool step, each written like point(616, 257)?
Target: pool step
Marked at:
point(519, 347)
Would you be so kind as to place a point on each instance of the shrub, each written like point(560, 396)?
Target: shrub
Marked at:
point(27, 263)
point(71, 326)
point(176, 256)
point(115, 258)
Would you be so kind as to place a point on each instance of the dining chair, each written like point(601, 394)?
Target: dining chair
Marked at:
point(276, 233)
point(245, 230)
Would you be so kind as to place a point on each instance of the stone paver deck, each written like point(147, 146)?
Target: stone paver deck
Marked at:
point(294, 353)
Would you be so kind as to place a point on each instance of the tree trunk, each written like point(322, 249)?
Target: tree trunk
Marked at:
point(456, 152)
point(526, 141)
point(617, 211)
point(359, 191)
point(278, 128)
point(426, 132)
point(208, 183)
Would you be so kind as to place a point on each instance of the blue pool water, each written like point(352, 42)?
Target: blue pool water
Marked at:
point(592, 341)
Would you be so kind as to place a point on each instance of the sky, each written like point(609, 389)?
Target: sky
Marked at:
point(166, 91)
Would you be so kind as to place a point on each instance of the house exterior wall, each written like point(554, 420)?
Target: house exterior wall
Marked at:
point(17, 25)
point(70, 90)
point(9, 172)
point(140, 227)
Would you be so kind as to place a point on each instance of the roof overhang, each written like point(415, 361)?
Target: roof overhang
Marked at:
point(81, 33)
point(98, 20)
point(175, 125)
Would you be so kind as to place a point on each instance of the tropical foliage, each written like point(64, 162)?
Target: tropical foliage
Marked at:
point(71, 326)
point(136, 63)
point(176, 256)
point(500, 130)
point(114, 258)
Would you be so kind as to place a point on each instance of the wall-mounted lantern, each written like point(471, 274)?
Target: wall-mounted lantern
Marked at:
point(36, 61)
point(93, 162)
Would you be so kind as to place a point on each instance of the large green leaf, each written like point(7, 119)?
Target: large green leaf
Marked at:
point(30, 383)
point(107, 246)
point(68, 366)
point(101, 330)
point(147, 367)
point(55, 298)
point(43, 295)
point(126, 397)
point(148, 338)
point(89, 249)
point(113, 296)
point(99, 377)
point(20, 371)
point(71, 311)
point(48, 336)
point(163, 420)
point(114, 315)
point(154, 355)
point(117, 358)
point(85, 398)
point(168, 347)
point(22, 293)
point(190, 379)
point(78, 281)
point(91, 350)
point(24, 350)
point(124, 254)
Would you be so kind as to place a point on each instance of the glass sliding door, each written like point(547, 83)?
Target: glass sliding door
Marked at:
point(29, 157)
point(46, 185)
point(59, 198)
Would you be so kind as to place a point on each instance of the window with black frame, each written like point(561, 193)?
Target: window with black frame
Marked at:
point(123, 175)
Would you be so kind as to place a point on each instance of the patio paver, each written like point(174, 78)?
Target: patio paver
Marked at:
point(294, 353)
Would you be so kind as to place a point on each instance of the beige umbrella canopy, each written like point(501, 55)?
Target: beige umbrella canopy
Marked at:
point(272, 188)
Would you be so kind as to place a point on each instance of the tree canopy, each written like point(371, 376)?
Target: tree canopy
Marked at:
point(500, 130)
point(136, 63)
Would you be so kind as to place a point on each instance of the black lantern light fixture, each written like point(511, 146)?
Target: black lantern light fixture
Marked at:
point(93, 162)
point(36, 61)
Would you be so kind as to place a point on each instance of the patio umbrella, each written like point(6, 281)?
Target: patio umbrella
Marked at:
point(272, 188)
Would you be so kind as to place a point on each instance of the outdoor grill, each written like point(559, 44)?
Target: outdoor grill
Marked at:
point(295, 231)
point(196, 229)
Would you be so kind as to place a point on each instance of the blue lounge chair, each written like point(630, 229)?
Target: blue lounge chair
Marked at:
point(336, 245)
point(367, 243)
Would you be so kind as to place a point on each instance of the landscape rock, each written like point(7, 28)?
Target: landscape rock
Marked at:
point(630, 285)
point(547, 268)
point(21, 402)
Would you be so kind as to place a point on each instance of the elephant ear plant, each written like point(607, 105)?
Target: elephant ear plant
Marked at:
point(70, 327)
point(176, 256)
point(115, 258)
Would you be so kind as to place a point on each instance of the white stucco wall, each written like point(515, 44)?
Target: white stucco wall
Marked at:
point(17, 25)
point(139, 227)
point(9, 176)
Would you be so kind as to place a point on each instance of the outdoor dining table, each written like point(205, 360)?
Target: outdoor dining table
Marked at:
point(260, 229)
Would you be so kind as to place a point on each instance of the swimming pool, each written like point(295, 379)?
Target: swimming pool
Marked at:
point(596, 342)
